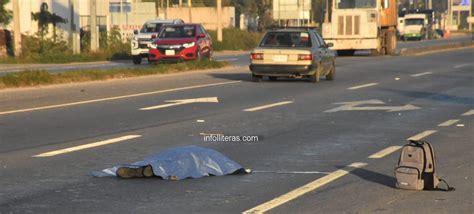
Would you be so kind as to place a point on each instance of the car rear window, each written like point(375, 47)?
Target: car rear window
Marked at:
point(151, 27)
point(286, 39)
point(178, 32)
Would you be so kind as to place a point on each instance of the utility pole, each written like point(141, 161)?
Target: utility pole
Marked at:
point(93, 21)
point(219, 24)
point(167, 8)
point(326, 14)
point(190, 5)
point(121, 17)
point(157, 8)
point(16, 28)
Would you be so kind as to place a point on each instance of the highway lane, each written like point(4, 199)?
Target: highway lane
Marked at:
point(296, 137)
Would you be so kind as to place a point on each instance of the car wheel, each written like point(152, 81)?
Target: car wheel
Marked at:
point(137, 60)
point(256, 78)
point(332, 73)
point(198, 55)
point(271, 78)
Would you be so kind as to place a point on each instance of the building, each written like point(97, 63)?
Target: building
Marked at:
point(127, 15)
point(292, 12)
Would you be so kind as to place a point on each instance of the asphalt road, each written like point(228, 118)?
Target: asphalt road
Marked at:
point(309, 141)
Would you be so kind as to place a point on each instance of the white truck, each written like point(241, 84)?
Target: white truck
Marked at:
point(141, 39)
point(362, 25)
point(414, 27)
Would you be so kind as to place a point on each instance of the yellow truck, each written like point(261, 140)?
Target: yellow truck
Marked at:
point(362, 25)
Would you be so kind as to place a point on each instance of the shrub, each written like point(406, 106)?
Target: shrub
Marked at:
point(236, 39)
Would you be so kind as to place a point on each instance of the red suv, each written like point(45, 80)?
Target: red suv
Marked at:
point(180, 42)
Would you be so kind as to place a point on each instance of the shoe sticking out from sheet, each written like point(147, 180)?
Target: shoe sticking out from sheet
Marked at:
point(177, 164)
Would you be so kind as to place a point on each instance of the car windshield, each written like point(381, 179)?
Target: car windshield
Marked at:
point(414, 22)
point(286, 39)
point(151, 27)
point(178, 32)
point(351, 4)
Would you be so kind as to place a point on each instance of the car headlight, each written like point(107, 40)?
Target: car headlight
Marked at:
point(189, 45)
point(152, 45)
point(134, 44)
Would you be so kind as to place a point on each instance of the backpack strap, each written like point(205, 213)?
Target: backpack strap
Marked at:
point(448, 189)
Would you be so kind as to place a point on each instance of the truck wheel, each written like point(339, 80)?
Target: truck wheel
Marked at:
point(137, 60)
point(345, 52)
point(391, 43)
point(256, 78)
point(332, 73)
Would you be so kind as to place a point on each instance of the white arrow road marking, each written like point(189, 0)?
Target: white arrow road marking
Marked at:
point(355, 106)
point(182, 102)
point(86, 146)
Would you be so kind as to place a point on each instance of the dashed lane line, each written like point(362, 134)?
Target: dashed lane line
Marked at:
point(86, 146)
point(117, 97)
point(469, 113)
point(460, 66)
point(422, 135)
point(268, 106)
point(362, 86)
point(421, 74)
point(385, 152)
point(304, 189)
point(448, 123)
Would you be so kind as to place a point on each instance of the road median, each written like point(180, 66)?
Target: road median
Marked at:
point(435, 48)
point(30, 78)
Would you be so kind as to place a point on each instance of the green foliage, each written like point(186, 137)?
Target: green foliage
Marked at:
point(41, 77)
point(5, 15)
point(57, 50)
point(235, 39)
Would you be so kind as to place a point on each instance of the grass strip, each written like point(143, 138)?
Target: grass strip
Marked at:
point(41, 77)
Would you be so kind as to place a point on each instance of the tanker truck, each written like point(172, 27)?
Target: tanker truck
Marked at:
point(362, 25)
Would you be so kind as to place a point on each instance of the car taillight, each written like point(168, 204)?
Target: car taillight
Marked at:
point(153, 36)
point(256, 56)
point(305, 56)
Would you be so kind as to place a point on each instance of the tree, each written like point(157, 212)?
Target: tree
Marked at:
point(5, 15)
point(44, 18)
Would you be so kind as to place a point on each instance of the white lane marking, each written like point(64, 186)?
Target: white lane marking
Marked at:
point(448, 122)
point(460, 125)
point(118, 97)
point(469, 113)
point(292, 172)
point(362, 86)
point(182, 102)
point(304, 189)
point(460, 66)
point(268, 106)
point(422, 135)
point(421, 74)
point(385, 152)
point(87, 146)
point(355, 106)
